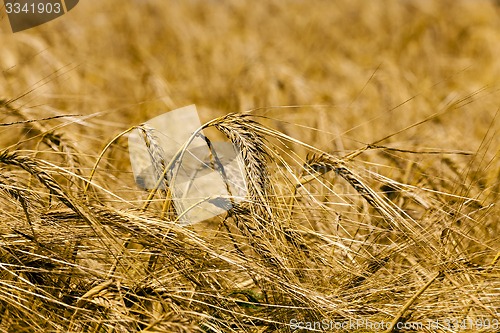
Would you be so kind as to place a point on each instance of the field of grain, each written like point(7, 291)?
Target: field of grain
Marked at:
point(369, 134)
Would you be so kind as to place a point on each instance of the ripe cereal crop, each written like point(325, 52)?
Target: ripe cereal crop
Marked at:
point(368, 138)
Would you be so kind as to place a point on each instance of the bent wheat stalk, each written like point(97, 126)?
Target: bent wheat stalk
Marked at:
point(33, 167)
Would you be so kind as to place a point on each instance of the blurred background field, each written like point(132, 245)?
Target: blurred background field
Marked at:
point(337, 75)
point(134, 60)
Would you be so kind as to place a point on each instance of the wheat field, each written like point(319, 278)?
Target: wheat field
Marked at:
point(368, 132)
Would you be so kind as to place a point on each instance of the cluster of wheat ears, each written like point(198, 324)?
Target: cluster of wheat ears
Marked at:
point(319, 238)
